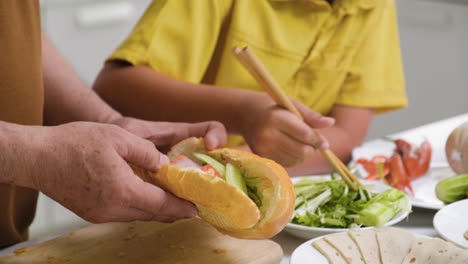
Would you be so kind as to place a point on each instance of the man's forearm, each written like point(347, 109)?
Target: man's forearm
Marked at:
point(67, 97)
point(18, 144)
point(144, 93)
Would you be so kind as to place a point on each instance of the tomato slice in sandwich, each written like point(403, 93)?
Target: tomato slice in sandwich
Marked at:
point(178, 159)
point(210, 170)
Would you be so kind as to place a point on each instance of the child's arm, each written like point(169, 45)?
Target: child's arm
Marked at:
point(269, 130)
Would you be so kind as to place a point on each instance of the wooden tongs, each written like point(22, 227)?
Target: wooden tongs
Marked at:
point(253, 65)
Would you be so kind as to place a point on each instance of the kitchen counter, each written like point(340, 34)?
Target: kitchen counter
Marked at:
point(419, 221)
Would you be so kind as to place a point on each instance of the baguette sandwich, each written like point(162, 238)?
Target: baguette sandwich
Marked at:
point(239, 193)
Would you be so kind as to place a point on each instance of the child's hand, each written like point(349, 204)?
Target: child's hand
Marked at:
point(276, 133)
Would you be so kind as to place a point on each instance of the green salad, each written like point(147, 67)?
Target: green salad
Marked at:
point(331, 203)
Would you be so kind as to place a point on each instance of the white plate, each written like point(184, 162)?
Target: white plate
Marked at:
point(308, 232)
point(451, 222)
point(307, 254)
point(424, 186)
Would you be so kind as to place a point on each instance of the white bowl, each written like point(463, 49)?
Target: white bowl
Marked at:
point(308, 232)
point(451, 222)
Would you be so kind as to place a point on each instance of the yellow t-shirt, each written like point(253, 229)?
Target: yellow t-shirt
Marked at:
point(346, 53)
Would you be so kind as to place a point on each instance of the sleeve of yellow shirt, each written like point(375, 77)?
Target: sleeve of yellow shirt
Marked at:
point(167, 38)
point(375, 79)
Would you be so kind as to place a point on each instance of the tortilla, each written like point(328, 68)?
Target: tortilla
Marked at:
point(388, 245)
point(367, 245)
point(443, 252)
point(460, 258)
point(420, 251)
point(394, 244)
point(346, 246)
point(431, 250)
point(333, 256)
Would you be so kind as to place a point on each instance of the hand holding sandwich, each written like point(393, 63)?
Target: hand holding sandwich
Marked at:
point(83, 166)
point(238, 192)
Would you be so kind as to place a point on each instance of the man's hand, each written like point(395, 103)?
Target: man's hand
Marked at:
point(166, 134)
point(275, 133)
point(84, 167)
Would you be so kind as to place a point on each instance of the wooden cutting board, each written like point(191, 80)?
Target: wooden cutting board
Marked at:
point(187, 241)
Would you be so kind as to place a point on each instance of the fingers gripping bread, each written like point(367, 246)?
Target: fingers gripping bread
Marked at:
point(223, 205)
point(218, 202)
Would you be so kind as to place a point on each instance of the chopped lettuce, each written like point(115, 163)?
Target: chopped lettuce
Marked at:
point(331, 203)
point(252, 192)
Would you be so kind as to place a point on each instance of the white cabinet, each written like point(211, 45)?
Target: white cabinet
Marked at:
point(434, 42)
point(86, 32)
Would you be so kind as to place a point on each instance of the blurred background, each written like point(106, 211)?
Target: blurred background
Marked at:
point(434, 42)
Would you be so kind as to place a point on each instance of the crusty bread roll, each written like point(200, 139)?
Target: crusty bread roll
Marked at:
point(221, 204)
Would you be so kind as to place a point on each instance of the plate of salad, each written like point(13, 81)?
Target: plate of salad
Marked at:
point(325, 204)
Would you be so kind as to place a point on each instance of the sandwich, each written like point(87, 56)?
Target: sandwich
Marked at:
point(237, 192)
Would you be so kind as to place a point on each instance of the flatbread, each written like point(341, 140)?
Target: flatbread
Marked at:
point(388, 245)
point(346, 246)
point(420, 251)
point(333, 256)
point(460, 258)
point(431, 251)
point(394, 244)
point(367, 245)
point(444, 253)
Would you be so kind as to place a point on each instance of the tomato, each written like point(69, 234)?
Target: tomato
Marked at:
point(210, 170)
point(399, 177)
point(179, 158)
point(416, 159)
point(408, 162)
point(372, 166)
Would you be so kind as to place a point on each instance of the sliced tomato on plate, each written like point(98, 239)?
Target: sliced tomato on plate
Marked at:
point(415, 158)
point(372, 166)
point(398, 176)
